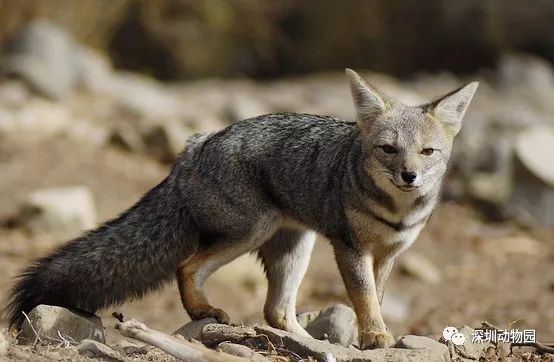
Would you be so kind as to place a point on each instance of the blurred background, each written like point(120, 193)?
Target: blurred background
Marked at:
point(98, 97)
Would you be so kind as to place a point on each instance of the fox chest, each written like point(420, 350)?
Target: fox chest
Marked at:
point(374, 230)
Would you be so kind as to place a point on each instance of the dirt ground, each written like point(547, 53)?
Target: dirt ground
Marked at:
point(502, 272)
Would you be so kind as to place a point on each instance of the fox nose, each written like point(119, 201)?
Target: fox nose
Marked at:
point(408, 176)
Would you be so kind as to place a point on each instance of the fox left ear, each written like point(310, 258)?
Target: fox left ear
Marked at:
point(451, 108)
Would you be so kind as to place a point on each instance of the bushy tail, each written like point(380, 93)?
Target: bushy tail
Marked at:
point(122, 259)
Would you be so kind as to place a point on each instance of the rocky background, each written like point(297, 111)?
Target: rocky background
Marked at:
point(98, 97)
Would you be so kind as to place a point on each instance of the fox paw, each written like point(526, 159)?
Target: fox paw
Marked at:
point(373, 339)
point(207, 311)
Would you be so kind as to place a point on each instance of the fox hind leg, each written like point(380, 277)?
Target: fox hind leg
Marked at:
point(194, 271)
point(285, 257)
point(190, 279)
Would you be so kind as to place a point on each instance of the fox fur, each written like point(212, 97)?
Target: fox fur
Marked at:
point(268, 184)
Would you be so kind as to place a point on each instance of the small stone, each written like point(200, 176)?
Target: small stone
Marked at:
point(49, 322)
point(214, 334)
point(193, 329)
point(421, 342)
point(304, 319)
point(241, 351)
point(95, 349)
point(338, 323)
point(64, 211)
point(131, 347)
point(419, 267)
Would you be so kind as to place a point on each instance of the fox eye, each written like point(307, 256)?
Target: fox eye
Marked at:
point(389, 149)
point(427, 151)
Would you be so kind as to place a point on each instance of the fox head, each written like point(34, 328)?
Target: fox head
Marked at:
point(407, 147)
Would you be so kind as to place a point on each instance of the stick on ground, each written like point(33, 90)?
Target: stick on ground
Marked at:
point(180, 349)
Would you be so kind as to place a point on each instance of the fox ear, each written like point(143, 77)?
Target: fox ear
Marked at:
point(369, 103)
point(451, 108)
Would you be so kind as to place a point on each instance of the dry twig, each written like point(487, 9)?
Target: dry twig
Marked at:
point(180, 349)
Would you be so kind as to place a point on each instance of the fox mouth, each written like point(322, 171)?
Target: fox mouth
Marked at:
point(405, 188)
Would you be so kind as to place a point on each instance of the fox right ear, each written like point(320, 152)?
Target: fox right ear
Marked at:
point(369, 104)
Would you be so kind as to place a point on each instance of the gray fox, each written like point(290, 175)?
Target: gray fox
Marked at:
point(267, 185)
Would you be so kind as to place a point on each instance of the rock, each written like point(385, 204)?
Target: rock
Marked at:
point(48, 59)
point(4, 344)
point(469, 350)
point(241, 351)
point(420, 342)
point(166, 140)
point(37, 117)
point(337, 324)
point(419, 267)
point(63, 211)
point(13, 94)
point(325, 351)
point(521, 244)
point(491, 187)
point(42, 55)
point(533, 176)
point(85, 130)
point(143, 97)
point(132, 347)
point(243, 106)
point(47, 321)
point(127, 137)
point(193, 329)
point(535, 149)
point(527, 77)
point(94, 349)
point(94, 70)
point(214, 334)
